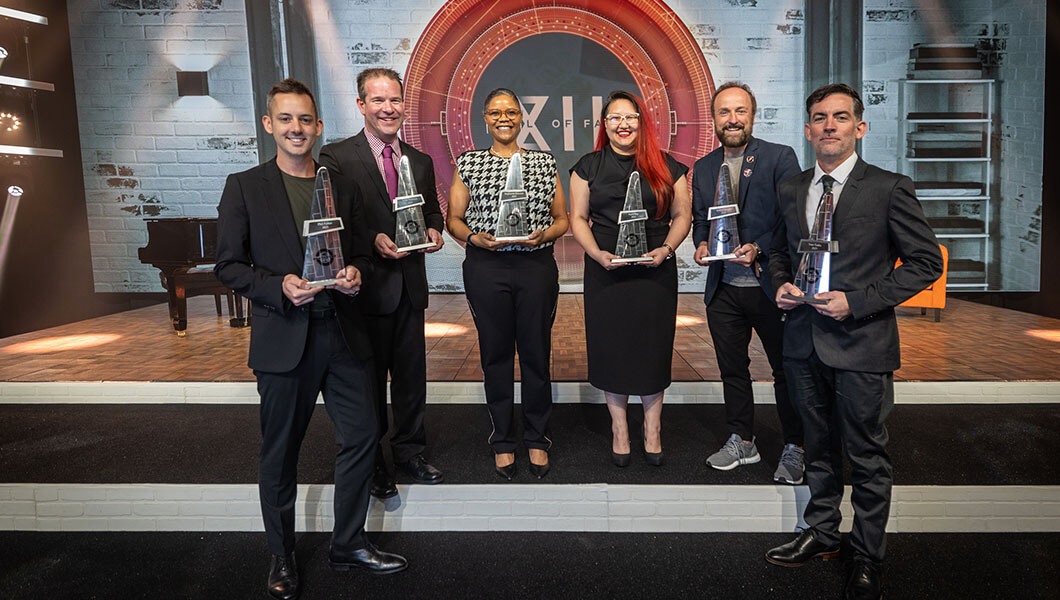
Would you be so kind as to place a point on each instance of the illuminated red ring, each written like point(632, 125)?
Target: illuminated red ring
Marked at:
point(471, 33)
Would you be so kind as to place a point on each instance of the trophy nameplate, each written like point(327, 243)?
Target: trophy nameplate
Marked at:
point(632, 237)
point(323, 247)
point(813, 275)
point(724, 236)
point(410, 230)
point(512, 215)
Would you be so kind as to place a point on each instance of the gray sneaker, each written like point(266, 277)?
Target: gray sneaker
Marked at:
point(733, 454)
point(791, 466)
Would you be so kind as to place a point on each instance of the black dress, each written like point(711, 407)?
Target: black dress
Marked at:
point(630, 312)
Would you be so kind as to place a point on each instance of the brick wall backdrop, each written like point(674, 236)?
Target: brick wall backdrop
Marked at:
point(146, 151)
point(149, 153)
point(1010, 35)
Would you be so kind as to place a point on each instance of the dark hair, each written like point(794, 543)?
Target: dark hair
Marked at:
point(500, 92)
point(734, 84)
point(290, 86)
point(365, 75)
point(836, 88)
point(649, 159)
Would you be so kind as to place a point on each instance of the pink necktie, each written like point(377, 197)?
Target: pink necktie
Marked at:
point(389, 172)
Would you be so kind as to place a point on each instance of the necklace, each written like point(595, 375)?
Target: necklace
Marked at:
point(499, 155)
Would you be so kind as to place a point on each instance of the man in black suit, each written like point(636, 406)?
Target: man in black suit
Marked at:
point(738, 294)
point(305, 339)
point(840, 356)
point(396, 298)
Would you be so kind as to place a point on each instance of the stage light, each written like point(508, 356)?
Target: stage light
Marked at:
point(193, 83)
point(10, 121)
point(7, 226)
point(3, 55)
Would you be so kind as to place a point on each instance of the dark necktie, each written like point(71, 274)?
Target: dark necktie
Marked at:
point(822, 219)
point(389, 172)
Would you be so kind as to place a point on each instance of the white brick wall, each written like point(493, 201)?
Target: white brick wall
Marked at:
point(146, 151)
point(533, 507)
point(1017, 29)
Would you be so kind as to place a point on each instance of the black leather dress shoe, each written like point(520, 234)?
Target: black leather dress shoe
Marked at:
point(370, 558)
point(865, 581)
point(422, 472)
point(283, 577)
point(383, 484)
point(801, 550)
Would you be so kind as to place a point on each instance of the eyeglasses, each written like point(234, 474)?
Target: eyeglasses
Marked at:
point(511, 113)
point(614, 119)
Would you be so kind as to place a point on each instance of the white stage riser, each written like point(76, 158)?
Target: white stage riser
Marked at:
point(532, 507)
point(696, 392)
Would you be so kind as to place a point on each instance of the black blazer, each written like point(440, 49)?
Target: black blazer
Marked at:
point(765, 165)
point(258, 244)
point(877, 220)
point(353, 158)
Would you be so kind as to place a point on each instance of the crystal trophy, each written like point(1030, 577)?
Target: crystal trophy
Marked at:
point(724, 236)
point(323, 248)
point(511, 214)
point(632, 239)
point(410, 228)
point(815, 265)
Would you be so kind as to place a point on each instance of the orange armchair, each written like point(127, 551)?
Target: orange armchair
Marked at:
point(934, 295)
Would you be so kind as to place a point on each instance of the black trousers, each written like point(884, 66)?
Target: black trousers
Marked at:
point(513, 298)
point(731, 315)
point(399, 349)
point(287, 403)
point(844, 413)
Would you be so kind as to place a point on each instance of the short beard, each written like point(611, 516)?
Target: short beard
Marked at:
point(742, 136)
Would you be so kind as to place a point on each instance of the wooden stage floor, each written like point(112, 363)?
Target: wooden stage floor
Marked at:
point(972, 343)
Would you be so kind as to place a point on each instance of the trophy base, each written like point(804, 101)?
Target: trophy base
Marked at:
point(322, 282)
point(721, 257)
point(512, 238)
point(804, 299)
point(631, 259)
point(416, 247)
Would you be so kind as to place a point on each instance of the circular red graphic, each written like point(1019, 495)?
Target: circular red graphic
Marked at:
point(465, 35)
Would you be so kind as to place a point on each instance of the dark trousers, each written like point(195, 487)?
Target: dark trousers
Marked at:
point(399, 350)
point(731, 315)
point(513, 298)
point(844, 413)
point(287, 403)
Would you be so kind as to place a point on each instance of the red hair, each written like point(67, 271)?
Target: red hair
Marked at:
point(649, 158)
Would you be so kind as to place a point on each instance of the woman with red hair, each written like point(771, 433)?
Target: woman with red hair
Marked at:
point(630, 308)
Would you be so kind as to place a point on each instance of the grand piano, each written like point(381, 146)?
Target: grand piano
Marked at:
point(184, 250)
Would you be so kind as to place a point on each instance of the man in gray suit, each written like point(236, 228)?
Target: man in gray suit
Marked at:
point(395, 299)
point(840, 356)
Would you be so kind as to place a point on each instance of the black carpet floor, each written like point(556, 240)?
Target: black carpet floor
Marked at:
point(519, 566)
point(930, 445)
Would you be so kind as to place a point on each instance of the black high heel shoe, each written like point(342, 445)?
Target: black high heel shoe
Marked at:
point(620, 460)
point(508, 471)
point(654, 459)
point(540, 471)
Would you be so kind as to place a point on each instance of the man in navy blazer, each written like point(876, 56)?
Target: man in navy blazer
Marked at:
point(395, 299)
point(840, 356)
point(304, 339)
point(738, 294)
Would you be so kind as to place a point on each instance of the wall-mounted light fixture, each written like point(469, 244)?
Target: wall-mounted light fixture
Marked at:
point(3, 55)
point(7, 225)
point(192, 83)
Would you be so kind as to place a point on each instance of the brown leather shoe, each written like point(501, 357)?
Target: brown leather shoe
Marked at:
point(801, 550)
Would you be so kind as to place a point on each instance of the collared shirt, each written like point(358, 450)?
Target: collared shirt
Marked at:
point(813, 196)
point(377, 146)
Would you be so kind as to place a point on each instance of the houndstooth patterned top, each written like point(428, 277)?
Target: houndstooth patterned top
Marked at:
point(484, 175)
